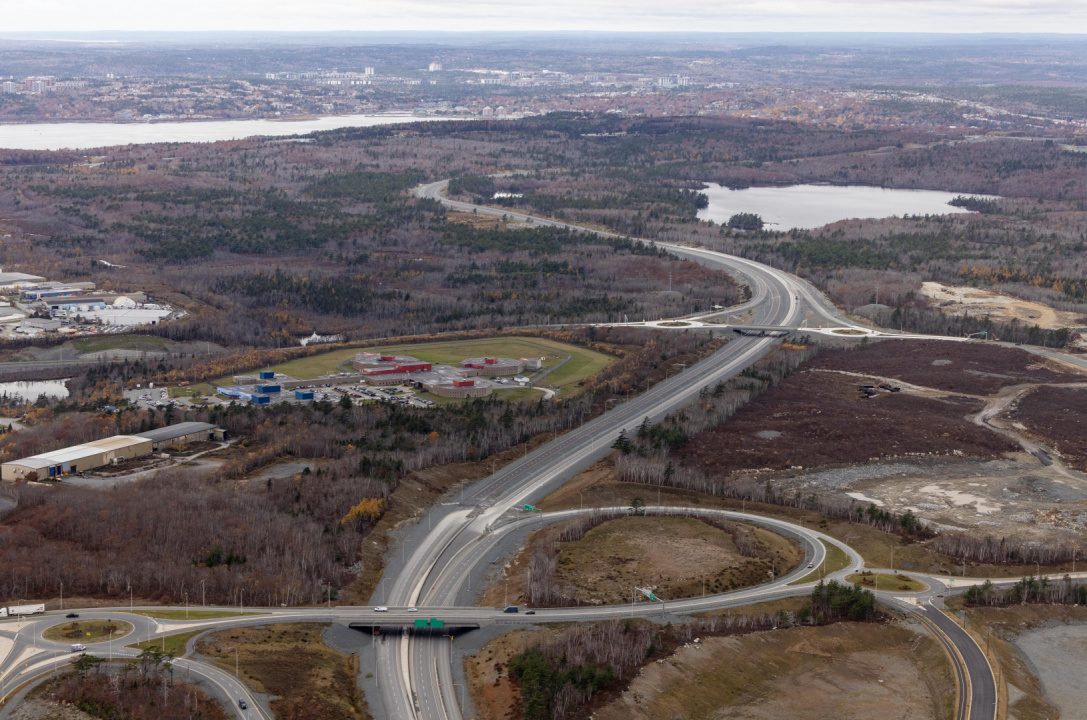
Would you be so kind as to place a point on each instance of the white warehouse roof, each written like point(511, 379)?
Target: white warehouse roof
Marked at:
point(78, 452)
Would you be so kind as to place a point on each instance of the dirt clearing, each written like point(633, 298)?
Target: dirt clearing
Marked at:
point(976, 302)
point(838, 672)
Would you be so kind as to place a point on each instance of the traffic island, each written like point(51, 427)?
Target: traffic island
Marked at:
point(85, 632)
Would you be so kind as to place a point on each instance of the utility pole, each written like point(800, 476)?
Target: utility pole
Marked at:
point(62, 596)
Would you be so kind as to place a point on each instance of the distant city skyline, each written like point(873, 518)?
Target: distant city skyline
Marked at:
point(939, 16)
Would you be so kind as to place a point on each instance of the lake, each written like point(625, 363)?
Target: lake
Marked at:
point(29, 390)
point(811, 206)
point(59, 136)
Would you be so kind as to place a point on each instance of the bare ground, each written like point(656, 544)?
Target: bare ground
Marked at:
point(1038, 653)
point(840, 672)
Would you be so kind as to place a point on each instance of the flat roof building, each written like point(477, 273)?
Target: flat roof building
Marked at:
point(13, 279)
point(182, 434)
point(494, 366)
point(379, 364)
point(77, 458)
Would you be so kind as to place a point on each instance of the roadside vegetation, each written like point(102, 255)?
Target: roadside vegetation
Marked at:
point(597, 559)
point(88, 631)
point(290, 663)
point(151, 691)
point(564, 672)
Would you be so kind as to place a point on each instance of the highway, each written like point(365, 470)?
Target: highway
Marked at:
point(414, 671)
point(415, 681)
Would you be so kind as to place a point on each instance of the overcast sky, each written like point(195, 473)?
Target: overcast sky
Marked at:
point(1033, 16)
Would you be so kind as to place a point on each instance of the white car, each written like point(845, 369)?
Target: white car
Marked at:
point(413, 609)
point(381, 608)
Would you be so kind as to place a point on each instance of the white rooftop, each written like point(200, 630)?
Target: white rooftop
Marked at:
point(78, 452)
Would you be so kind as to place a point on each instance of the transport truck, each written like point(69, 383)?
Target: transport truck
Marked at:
point(17, 610)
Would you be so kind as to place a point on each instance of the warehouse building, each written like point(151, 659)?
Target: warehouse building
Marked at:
point(77, 458)
point(182, 434)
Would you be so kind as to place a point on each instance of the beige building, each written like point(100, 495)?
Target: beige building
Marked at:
point(77, 458)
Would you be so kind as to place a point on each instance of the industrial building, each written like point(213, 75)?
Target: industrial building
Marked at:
point(77, 458)
point(18, 279)
point(372, 364)
point(182, 434)
point(494, 366)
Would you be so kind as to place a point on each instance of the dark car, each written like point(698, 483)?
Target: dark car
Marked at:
point(242, 704)
point(511, 609)
point(530, 612)
point(72, 615)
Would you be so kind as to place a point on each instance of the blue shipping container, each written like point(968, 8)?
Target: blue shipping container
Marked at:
point(303, 394)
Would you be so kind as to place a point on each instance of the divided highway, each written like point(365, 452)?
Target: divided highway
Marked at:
point(414, 671)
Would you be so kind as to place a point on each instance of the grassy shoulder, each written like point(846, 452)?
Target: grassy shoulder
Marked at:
point(88, 631)
point(836, 560)
point(291, 663)
point(173, 645)
point(887, 582)
point(182, 614)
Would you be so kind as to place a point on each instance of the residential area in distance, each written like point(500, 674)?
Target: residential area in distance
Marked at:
point(530, 375)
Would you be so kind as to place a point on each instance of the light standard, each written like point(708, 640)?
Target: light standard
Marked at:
point(186, 604)
point(62, 596)
point(456, 685)
point(201, 593)
point(129, 597)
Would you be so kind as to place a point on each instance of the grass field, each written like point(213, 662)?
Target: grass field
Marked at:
point(171, 644)
point(291, 662)
point(836, 560)
point(192, 614)
point(119, 342)
point(191, 390)
point(886, 581)
point(582, 363)
point(88, 631)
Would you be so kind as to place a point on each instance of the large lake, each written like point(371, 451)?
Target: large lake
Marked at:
point(59, 136)
point(812, 206)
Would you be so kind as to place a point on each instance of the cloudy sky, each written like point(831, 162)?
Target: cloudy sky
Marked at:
point(1034, 16)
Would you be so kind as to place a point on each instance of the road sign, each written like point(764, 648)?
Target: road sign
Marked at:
point(530, 508)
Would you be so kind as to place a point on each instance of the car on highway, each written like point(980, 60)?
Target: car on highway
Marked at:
point(243, 704)
point(72, 615)
point(510, 609)
point(78, 648)
point(413, 609)
point(530, 612)
point(811, 565)
point(381, 608)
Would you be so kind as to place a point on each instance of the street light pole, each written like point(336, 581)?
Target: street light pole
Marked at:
point(202, 603)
